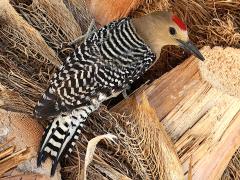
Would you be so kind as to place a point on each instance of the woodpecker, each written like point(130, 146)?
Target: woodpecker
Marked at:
point(103, 66)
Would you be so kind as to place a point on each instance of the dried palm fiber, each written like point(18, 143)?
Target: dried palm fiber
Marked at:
point(29, 176)
point(15, 29)
point(12, 101)
point(224, 43)
point(232, 171)
point(98, 170)
point(223, 70)
point(26, 61)
point(143, 150)
point(91, 147)
point(53, 20)
point(213, 22)
point(26, 133)
point(80, 12)
point(202, 119)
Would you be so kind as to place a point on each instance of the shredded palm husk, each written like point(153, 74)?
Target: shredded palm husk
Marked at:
point(32, 34)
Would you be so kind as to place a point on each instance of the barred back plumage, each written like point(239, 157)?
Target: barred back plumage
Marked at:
point(109, 60)
point(102, 67)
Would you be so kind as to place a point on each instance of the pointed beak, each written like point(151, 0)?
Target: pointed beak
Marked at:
point(191, 48)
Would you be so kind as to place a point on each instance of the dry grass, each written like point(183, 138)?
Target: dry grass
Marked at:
point(30, 47)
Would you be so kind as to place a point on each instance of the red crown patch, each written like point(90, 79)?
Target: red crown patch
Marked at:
point(179, 22)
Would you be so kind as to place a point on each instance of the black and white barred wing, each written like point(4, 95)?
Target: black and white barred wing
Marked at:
point(71, 92)
point(61, 134)
point(73, 86)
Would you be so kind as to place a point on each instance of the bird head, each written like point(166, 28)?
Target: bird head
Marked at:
point(162, 28)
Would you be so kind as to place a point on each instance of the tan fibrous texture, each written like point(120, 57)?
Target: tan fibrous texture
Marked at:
point(52, 19)
point(32, 33)
point(26, 61)
point(15, 31)
point(222, 69)
point(91, 147)
point(11, 100)
point(105, 11)
point(232, 171)
point(142, 149)
point(157, 143)
point(80, 12)
point(26, 133)
point(201, 118)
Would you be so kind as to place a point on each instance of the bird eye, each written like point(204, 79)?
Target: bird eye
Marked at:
point(172, 31)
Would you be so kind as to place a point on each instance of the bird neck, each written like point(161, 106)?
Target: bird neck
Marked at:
point(144, 28)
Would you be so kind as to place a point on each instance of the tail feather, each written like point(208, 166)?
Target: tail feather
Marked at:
point(59, 138)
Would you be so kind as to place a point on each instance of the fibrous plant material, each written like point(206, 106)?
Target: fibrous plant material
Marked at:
point(80, 12)
point(142, 149)
point(13, 160)
point(12, 101)
point(29, 176)
point(18, 34)
point(223, 70)
point(232, 171)
point(52, 19)
point(201, 118)
point(26, 61)
point(91, 148)
point(212, 23)
point(105, 11)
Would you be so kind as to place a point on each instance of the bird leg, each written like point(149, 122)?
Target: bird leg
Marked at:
point(124, 92)
point(85, 36)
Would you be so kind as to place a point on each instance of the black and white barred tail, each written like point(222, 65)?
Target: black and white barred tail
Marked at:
point(60, 136)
